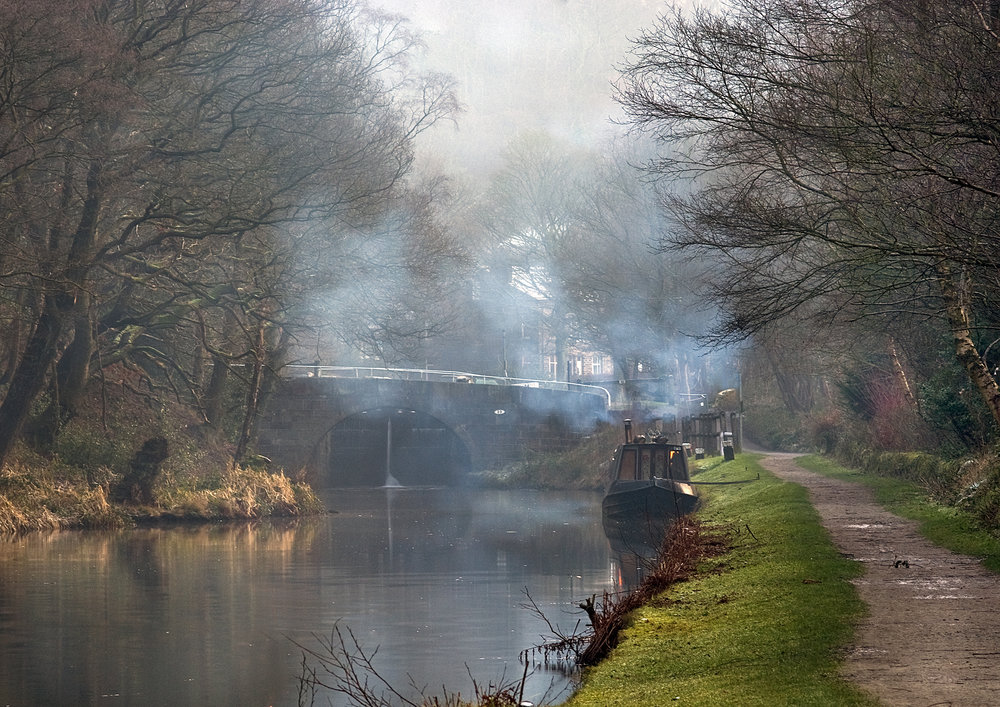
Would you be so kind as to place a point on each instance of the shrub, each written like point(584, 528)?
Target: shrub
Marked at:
point(825, 430)
point(941, 477)
point(955, 411)
point(773, 427)
point(78, 446)
point(980, 493)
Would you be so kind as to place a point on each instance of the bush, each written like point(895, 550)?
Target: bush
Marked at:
point(77, 446)
point(825, 430)
point(980, 493)
point(939, 476)
point(956, 412)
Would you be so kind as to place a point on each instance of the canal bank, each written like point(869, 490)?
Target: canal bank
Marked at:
point(46, 496)
point(766, 623)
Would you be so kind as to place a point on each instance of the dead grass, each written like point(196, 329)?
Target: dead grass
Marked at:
point(30, 500)
point(242, 493)
point(33, 500)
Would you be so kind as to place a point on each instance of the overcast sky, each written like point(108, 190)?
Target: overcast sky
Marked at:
point(524, 65)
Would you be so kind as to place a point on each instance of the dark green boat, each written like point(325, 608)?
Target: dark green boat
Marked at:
point(650, 485)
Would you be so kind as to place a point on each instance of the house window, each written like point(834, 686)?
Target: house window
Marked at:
point(551, 366)
point(598, 366)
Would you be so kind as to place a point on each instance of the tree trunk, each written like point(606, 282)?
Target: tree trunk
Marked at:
point(74, 365)
point(214, 397)
point(253, 396)
point(214, 393)
point(42, 349)
point(560, 353)
point(278, 343)
point(902, 377)
point(795, 398)
point(39, 354)
point(956, 302)
point(16, 331)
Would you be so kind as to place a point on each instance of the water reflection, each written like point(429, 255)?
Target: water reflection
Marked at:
point(207, 615)
point(633, 549)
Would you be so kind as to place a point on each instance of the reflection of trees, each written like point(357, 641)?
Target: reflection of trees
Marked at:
point(164, 605)
point(201, 614)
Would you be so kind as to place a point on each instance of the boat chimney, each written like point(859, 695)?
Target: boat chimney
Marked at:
point(628, 431)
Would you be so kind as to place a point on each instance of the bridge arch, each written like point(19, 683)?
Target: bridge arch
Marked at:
point(390, 446)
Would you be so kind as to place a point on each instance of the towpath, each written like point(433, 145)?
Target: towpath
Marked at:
point(932, 634)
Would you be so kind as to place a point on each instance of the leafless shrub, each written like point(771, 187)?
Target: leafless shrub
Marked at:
point(683, 545)
point(342, 665)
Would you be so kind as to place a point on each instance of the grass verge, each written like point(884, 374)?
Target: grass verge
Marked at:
point(761, 625)
point(947, 526)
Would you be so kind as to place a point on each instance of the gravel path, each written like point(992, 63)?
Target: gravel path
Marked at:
point(932, 635)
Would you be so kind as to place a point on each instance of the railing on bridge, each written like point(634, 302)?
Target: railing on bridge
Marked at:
point(415, 374)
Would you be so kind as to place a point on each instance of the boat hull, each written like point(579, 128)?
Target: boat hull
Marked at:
point(652, 501)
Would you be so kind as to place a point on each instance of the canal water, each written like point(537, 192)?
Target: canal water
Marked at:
point(435, 579)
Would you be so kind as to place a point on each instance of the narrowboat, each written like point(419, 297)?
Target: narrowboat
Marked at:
point(649, 487)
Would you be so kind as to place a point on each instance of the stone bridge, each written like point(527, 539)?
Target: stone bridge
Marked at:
point(369, 427)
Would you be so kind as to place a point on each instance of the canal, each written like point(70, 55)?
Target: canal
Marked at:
point(211, 614)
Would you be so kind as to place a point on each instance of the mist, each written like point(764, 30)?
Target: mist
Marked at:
point(523, 66)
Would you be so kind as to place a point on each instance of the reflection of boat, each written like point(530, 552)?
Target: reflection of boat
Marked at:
point(650, 486)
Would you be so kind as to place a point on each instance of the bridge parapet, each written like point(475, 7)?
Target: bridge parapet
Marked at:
point(425, 374)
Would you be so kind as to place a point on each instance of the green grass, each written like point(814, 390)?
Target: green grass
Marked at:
point(762, 625)
point(943, 525)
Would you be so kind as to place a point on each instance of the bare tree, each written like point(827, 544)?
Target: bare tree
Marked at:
point(158, 162)
point(844, 160)
point(632, 302)
point(530, 211)
point(396, 288)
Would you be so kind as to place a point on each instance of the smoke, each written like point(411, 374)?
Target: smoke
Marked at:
point(528, 68)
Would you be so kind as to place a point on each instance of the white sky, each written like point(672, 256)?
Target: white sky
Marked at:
point(523, 65)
